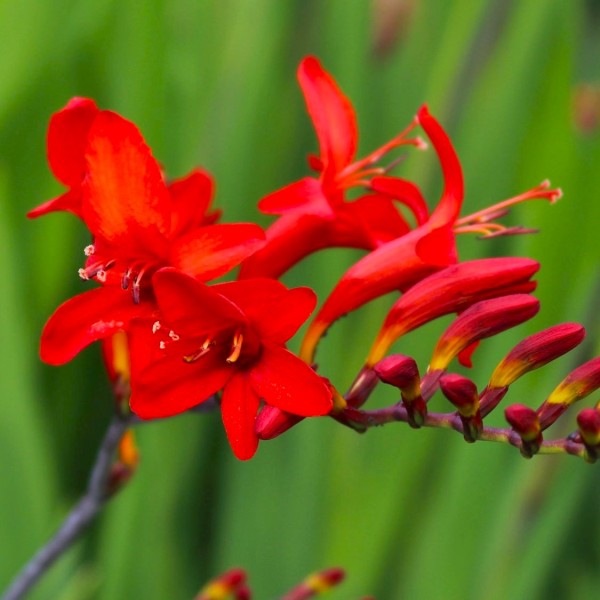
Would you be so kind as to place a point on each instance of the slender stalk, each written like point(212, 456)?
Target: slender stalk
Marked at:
point(98, 492)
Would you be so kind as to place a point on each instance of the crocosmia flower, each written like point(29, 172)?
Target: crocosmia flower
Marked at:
point(138, 225)
point(228, 337)
point(315, 212)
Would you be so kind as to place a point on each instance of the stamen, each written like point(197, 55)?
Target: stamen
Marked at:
point(162, 345)
point(206, 346)
point(101, 275)
point(173, 336)
point(82, 274)
point(155, 326)
point(236, 348)
point(541, 191)
point(89, 250)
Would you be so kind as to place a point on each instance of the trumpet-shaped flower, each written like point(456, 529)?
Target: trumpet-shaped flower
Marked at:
point(138, 225)
point(315, 212)
point(228, 337)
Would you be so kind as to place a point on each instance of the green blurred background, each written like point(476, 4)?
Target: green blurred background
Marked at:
point(409, 514)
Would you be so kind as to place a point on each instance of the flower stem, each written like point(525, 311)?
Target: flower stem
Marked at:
point(83, 513)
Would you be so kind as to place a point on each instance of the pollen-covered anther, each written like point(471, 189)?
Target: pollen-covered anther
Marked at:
point(206, 346)
point(236, 348)
point(156, 326)
point(101, 276)
point(82, 274)
point(173, 336)
point(526, 423)
point(89, 250)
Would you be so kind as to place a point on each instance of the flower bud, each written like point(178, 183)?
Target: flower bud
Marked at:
point(526, 424)
point(272, 422)
point(223, 586)
point(576, 385)
point(462, 392)
point(316, 584)
point(589, 426)
point(536, 351)
point(482, 320)
point(402, 372)
point(361, 388)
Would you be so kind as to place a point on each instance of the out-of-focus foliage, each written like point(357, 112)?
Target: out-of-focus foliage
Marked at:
point(414, 514)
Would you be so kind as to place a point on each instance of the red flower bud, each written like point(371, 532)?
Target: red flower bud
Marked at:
point(526, 424)
point(576, 385)
point(272, 422)
point(462, 392)
point(480, 321)
point(315, 584)
point(536, 351)
point(224, 585)
point(453, 290)
point(589, 426)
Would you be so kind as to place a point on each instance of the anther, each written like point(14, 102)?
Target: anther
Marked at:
point(155, 326)
point(236, 348)
point(206, 346)
point(173, 336)
point(89, 250)
point(101, 276)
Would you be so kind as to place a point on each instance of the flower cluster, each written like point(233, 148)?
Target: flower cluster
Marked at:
point(178, 339)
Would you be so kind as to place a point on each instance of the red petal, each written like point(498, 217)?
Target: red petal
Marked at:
point(332, 115)
point(191, 307)
point(191, 197)
point(286, 382)
point(69, 201)
point(438, 247)
point(379, 218)
point(448, 209)
point(465, 356)
point(67, 137)
point(305, 195)
point(170, 386)
point(405, 192)
point(211, 251)
point(86, 318)
point(125, 198)
point(239, 406)
point(275, 312)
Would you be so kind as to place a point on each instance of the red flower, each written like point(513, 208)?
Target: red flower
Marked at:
point(228, 336)
point(315, 211)
point(139, 225)
point(402, 262)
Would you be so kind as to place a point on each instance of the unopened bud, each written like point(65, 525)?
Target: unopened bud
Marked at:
point(578, 384)
point(315, 584)
point(223, 586)
point(402, 372)
point(462, 392)
point(525, 422)
point(482, 320)
point(362, 387)
point(589, 426)
point(272, 422)
point(536, 351)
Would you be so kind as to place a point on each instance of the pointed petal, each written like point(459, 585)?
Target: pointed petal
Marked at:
point(170, 386)
point(438, 247)
point(405, 192)
point(275, 312)
point(69, 201)
point(67, 137)
point(190, 198)
point(191, 307)
point(332, 115)
point(125, 199)
point(239, 406)
point(305, 195)
point(211, 251)
point(86, 318)
point(286, 382)
point(448, 209)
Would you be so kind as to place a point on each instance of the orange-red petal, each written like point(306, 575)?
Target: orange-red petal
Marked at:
point(211, 251)
point(125, 199)
point(239, 406)
point(332, 115)
point(286, 382)
point(67, 137)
